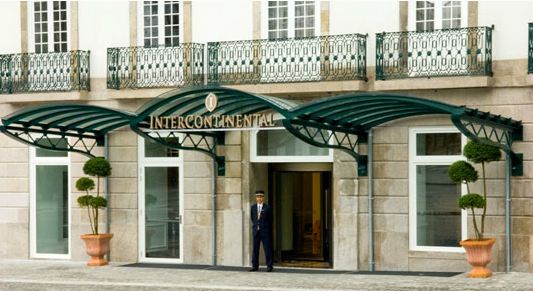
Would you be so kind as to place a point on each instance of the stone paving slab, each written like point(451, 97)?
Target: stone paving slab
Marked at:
point(59, 275)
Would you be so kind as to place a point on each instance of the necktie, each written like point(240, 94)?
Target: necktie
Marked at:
point(258, 211)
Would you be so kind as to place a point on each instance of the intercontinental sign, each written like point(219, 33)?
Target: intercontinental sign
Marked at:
point(211, 121)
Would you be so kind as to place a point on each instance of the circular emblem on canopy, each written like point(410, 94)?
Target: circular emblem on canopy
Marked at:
point(211, 102)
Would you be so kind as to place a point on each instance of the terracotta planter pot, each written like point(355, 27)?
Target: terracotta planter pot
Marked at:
point(97, 245)
point(479, 255)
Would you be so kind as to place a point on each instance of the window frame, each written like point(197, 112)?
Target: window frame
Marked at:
point(144, 162)
point(35, 161)
point(437, 17)
point(291, 17)
point(161, 23)
point(255, 158)
point(414, 161)
point(50, 24)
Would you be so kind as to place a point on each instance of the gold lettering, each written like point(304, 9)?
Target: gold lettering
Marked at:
point(166, 118)
point(262, 121)
point(151, 121)
point(230, 120)
point(208, 121)
point(173, 120)
point(158, 122)
point(189, 120)
point(247, 121)
point(217, 120)
point(270, 120)
point(198, 121)
point(238, 121)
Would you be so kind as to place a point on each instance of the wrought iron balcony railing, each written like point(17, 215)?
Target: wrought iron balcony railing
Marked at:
point(31, 72)
point(438, 53)
point(146, 67)
point(324, 58)
point(530, 52)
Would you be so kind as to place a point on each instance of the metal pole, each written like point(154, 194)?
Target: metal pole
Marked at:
point(508, 224)
point(106, 194)
point(371, 263)
point(214, 212)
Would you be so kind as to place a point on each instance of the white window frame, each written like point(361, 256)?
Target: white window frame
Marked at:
point(31, 29)
point(47, 161)
point(254, 158)
point(437, 16)
point(414, 161)
point(161, 23)
point(157, 162)
point(291, 16)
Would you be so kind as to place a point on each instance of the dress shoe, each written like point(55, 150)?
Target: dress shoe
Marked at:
point(270, 269)
point(253, 270)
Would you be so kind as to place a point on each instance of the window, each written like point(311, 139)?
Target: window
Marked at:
point(160, 23)
point(287, 19)
point(49, 202)
point(49, 26)
point(436, 223)
point(279, 145)
point(430, 15)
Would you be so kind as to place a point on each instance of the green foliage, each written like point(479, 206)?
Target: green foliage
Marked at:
point(462, 172)
point(83, 201)
point(472, 200)
point(85, 184)
point(481, 153)
point(98, 202)
point(98, 167)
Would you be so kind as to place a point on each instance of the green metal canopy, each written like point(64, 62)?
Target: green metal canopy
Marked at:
point(48, 126)
point(340, 122)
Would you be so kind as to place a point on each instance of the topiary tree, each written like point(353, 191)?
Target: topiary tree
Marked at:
point(97, 167)
point(464, 172)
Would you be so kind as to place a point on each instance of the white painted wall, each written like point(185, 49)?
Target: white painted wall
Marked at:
point(364, 17)
point(510, 19)
point(10, 28)
point(221, 20)
point(102, 24)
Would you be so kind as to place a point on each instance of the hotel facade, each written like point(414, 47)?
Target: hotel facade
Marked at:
point(137, 82)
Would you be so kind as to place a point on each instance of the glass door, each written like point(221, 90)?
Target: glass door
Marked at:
point(160, 203)
point(49, 203)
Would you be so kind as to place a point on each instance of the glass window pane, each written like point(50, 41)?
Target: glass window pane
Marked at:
point(438, 144)
point(420, 4)
point(283, 143)
point(299, 10)
point(59, 143)
point(456, 23)
point(272, 12)
point(162, 218)
point(438, 218)
point(153, 149)
point(52, 209)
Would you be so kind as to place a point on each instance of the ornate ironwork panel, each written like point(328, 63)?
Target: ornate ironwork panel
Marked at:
point(30, 72)
point(80, 143)
point(145, 67)
point(324, 58)
point(438, 53)
point(530, 52)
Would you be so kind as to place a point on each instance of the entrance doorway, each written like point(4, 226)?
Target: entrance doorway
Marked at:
point(302, 217)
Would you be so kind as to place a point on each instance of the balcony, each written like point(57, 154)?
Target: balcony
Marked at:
point(155, 67)
point(324, 58)
point(45, 72)
point(438, 53)
point(530, 51)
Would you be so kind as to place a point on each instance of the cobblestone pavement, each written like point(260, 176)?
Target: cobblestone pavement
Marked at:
point(56, 275)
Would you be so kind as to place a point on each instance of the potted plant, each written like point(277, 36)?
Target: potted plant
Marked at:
point(97, 244)
point(478, 249)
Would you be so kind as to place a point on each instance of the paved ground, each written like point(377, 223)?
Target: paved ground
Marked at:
point(54, 275)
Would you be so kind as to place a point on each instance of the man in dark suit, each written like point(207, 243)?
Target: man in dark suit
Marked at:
point(261, 215)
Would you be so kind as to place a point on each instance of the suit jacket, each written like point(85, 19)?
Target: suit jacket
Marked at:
point(265, 220)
